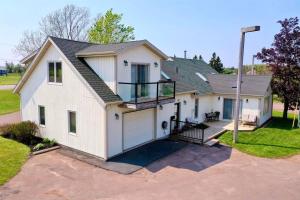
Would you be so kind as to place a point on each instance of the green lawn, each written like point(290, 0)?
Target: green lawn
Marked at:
point(278, 139)
point(9, 102)
point(12, 157)
point(10, 79)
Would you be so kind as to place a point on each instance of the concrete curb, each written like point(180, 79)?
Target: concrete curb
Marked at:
point(45, 150)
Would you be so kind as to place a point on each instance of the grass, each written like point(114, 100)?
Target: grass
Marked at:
point(276, 140)
point(10, 79)
point(12, 157)
point(9, 102)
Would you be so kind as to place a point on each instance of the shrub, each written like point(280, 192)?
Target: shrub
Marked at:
point(46, 143)
point(39, 146)
point(23, 132)
point(6, 132)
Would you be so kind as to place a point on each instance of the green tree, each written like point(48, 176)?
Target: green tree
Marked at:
point(200, 57)
point(195, 57)
point(216, 63)
point(109, 29)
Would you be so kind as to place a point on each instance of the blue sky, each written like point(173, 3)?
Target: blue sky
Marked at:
point(200, 27)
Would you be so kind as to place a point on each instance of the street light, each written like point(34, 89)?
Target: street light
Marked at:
point(239, 79)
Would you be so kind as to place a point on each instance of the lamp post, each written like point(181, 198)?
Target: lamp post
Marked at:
point(239, 79)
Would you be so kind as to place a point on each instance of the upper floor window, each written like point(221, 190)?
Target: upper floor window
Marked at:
point(54, 72)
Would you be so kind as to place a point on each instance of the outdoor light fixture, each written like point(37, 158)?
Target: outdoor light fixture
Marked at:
point(125, 63)
point(239, 79)
point(155, 64)
point(184, 102)
point(116, 116)
point(247, 100)
point(219, 98)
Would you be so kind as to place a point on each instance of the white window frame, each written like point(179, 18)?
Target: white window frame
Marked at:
point(48, 72)
point(69, 121)
point(39, 114)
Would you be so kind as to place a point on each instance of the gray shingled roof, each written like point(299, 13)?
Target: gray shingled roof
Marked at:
point(253, 85)
point(186, 78)
point(117, 48)
point(70, 48)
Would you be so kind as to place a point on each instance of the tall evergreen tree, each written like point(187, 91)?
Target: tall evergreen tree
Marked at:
point(216, 63)
point(195, 57)
point(200, 57)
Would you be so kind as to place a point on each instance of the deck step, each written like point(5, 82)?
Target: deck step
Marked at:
point(212, 142)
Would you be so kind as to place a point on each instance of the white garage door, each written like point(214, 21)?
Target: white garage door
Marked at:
point(138, 128)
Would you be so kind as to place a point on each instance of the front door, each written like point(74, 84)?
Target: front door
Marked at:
point(228, 109)
point(177, 114)
point(139, 75)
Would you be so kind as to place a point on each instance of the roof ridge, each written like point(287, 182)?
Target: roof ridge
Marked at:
point(93, 43)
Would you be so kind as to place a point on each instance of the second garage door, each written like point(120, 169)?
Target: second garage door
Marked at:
point(138, 128)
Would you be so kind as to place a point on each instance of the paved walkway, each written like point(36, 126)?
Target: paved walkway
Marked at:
point(7, 87)
point(192, 173)
point(10, 118)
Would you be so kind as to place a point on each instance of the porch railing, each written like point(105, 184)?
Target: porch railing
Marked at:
point(136, 93)
point(188, 131)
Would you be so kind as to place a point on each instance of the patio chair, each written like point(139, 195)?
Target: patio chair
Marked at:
point(249, 120)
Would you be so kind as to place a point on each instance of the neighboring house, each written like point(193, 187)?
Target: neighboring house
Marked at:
point(3, 71)
point(107, 99)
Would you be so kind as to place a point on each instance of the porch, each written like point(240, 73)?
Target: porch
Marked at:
point(229, 125)
point(203, 133)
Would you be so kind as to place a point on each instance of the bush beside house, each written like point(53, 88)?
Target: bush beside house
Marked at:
point(26, 132)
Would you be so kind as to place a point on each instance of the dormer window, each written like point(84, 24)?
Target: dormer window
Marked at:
point(54, 72)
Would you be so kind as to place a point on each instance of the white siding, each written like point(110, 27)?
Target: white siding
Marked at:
point(58, 99)
point(253, 107)
point(105, 68)
point(265, 117)
point(114, 130)
point(165, 114)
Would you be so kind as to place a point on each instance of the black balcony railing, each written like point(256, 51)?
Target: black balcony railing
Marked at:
point(137, 93)
point(188, 131)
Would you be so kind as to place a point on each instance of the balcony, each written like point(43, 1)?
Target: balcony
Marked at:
point(146, 95)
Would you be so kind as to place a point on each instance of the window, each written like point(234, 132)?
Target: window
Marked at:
point(72, 122)
point(42, 120)
point(266, 104)
point(196, 108)
point(55, 72)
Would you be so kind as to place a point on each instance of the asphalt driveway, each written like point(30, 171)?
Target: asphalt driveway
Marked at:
point(192, 173)
point(10, 118)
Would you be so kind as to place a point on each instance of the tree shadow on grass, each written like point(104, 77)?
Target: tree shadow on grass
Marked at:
point(270, 145)
point(280, 123)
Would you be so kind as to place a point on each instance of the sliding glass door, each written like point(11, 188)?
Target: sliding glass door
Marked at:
point(140, 75)
point(229, 108)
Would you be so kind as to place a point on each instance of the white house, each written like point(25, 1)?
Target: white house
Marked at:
point(107, 99)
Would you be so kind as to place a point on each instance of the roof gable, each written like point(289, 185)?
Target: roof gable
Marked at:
point(69, 48)
point(252, 85)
